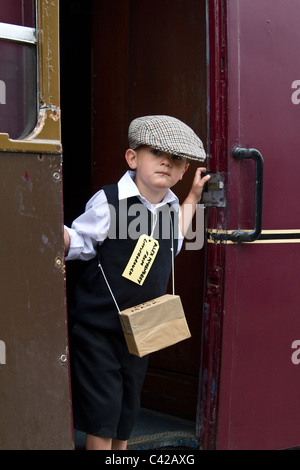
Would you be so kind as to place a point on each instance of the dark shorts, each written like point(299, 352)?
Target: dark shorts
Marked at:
point(106, 383)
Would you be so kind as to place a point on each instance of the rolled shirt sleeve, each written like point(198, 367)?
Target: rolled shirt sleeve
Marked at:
point(89, 229)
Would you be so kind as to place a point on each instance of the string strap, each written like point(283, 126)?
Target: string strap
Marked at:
point(173, 256)
point(109, 288)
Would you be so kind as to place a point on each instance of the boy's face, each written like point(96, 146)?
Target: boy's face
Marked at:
point(156, 171)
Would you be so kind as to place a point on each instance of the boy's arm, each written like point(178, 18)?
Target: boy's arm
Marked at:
point(67, 241)
point(89, 229)
point(188, 206)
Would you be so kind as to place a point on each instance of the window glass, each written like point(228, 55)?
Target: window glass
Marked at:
point(20, 12)
point(18, 72)
point(18, 90)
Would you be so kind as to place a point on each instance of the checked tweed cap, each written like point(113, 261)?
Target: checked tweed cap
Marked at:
point(167, 134)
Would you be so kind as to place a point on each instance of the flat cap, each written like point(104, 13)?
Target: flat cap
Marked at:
point(167, 134)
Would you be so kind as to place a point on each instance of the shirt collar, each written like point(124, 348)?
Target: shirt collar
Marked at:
point(128, 188)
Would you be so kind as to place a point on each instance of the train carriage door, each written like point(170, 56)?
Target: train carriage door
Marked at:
point(35, 405)
point(252, 294)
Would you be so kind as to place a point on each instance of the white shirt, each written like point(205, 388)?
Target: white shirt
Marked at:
point(91, 228)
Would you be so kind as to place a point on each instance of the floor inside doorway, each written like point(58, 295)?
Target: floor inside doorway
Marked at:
point(155, 430)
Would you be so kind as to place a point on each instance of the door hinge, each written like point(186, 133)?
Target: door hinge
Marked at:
point(214, 281)
point(214, 191)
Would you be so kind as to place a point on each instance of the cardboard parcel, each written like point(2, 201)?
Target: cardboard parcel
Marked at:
point(154, 325)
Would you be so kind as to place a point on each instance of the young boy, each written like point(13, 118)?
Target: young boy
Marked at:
point(106, 378)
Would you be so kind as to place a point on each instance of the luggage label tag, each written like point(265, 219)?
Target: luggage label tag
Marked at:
point(141, 259)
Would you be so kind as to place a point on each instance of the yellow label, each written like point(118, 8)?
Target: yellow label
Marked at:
point(141, 259)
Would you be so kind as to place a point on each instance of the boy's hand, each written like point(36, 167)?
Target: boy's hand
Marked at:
point(198, 184)
point(189, 205)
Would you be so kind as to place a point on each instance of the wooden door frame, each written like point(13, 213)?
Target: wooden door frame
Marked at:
point(209, 377)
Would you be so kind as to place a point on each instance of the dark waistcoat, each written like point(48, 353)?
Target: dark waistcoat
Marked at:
point(94, 304)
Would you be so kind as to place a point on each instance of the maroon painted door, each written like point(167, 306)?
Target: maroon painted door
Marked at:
point(250, 369)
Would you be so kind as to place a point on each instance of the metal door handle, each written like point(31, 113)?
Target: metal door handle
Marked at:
point(240, 236)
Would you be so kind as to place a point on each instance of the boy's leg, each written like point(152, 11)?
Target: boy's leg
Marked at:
point(119, 445)
point(97, 443)
point(103, 443)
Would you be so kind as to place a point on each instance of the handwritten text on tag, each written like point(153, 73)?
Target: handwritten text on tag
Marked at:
point(141, 259)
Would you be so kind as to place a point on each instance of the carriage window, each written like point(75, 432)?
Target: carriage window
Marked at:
point(18, 68)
